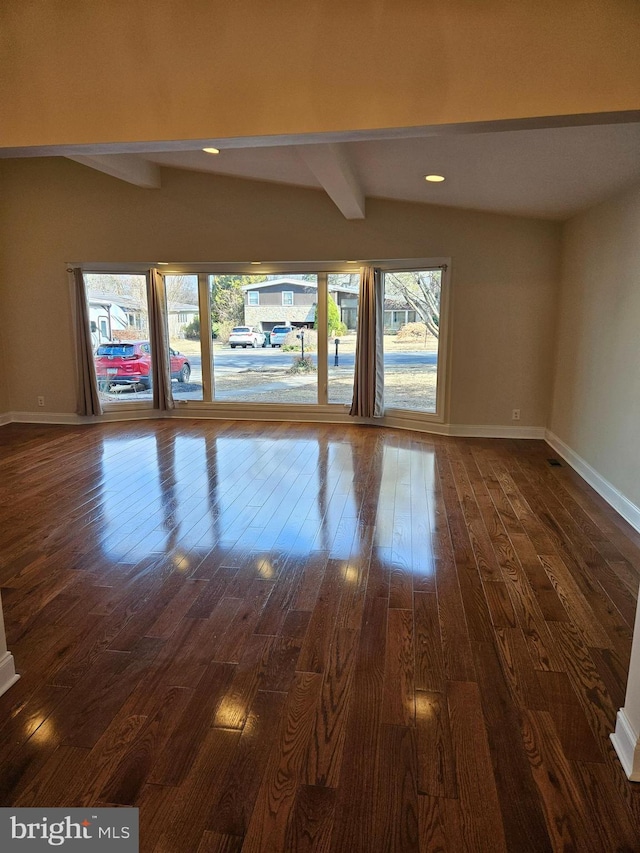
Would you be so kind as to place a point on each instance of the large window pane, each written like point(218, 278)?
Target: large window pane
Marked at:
point(258, 344)
point(185, 351)
point(411, 336)
point(342, 322)
point(119, 319)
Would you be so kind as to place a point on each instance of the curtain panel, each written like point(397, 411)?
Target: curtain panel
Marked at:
point(368, 380)
point(159, 335)
point(88, 398)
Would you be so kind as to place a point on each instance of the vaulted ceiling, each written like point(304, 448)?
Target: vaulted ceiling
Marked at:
point(540, 169)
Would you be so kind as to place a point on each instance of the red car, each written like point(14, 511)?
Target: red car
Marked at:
point(129, 363)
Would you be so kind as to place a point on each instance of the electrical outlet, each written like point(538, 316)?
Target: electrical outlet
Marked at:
point(515, 415)
point(41, 401)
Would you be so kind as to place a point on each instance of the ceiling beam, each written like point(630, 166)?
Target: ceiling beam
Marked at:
point(125, 167)
point(331, 167)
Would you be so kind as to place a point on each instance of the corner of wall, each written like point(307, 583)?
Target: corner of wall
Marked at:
point(556, 325)
point(593, 418)
point(5, 398)
point(614, 497)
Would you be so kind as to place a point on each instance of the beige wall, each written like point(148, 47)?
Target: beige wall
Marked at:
point(206, 68)
point(5, 404)
point(596, 400)
point(505, 268)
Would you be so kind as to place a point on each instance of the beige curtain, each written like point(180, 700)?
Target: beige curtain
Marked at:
point(88, 397)
point(159, 335)
point(368, 381)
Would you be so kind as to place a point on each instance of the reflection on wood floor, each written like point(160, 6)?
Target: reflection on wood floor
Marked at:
point(289, 637)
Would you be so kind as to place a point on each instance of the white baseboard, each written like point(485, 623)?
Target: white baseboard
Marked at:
point(70, 418)
point(7, 672)
point(496, 431)
point(463, 430)
point(125, 415)
point(626, 743)
point(319, 414)
point(266, 412)
point(43, 418)
point(627, 509)
point(5, 418)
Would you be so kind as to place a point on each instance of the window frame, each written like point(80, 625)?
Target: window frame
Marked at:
point(287, 304)
point(443, 395)
point(256, 294)
point(404, 418)
point(113, 407)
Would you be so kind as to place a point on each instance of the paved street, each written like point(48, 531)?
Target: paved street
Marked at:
point(227, 360)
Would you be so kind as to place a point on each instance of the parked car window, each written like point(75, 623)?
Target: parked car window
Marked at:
point(278, 335)
point(122, 350)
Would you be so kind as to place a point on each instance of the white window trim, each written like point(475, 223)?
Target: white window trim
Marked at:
point(443, 395)
point(287, 293)
point(113, 410)
point(253, 294)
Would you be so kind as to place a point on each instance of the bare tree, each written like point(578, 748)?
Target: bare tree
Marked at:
point(117, 284)
point(182, 289)
point(420, 290)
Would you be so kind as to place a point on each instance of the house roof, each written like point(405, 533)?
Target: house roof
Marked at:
point(132, 303)
point(174, 307)
point(261, 285)
point(109, 299)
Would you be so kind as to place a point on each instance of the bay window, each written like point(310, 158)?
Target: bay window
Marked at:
point(293, 331)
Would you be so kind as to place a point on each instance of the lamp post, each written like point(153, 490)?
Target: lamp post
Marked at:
point(337, 342)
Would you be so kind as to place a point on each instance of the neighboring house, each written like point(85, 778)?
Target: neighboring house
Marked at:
point(290, 301)
point(180, 315)
point(125, 318)
point(280, 301)
point(397, 314)
point(114, 317)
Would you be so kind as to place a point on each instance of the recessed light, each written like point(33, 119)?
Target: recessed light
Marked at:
point(255, 263)
point(434, 179)
point(211, 150)
point(163, 263)
point(352, 262)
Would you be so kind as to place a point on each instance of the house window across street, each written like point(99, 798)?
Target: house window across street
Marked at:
point(253, 297)
point(287, 297)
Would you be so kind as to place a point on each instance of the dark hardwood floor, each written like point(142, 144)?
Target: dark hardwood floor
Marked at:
point(291, 638)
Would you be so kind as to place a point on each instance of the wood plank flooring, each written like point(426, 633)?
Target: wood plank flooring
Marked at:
point(275, 637)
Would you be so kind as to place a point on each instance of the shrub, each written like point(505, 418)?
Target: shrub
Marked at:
point(224, 330)
point(412, 332)
point(334, 325)
point(192, 331)
point(302, 365)
point(292, 342)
